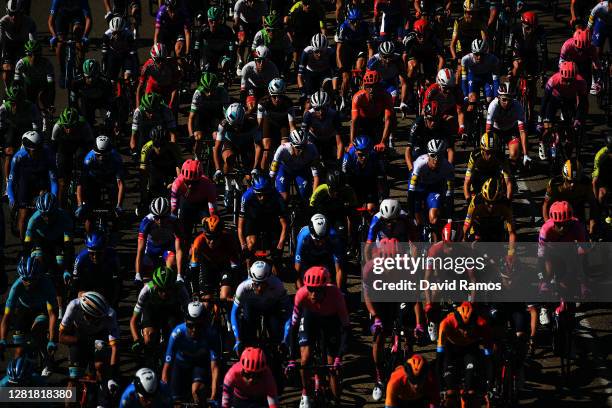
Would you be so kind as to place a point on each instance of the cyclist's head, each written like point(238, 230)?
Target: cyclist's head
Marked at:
point(609, 143)
point(158, 53)
point(46, 203)
point(29, 269)
point(298, 138)
point(435, 148)
point(260, 272)
point(116, 25)
point(371, 78)
point(568, 71)
point(354, 15)
point(159, 136)
point(489, 142)
point(235, 114)
point(96, 241)
point(20, 370)
point(449, 232)
point(208, 82)
point(163, 278)
point(32, 140)
point(69, 118)
point(469, 6)
point(363, 145)
point(416, 368)
point(146, 383)
point(150, 102)
point(529, 19)
point(388, 248)
point(390, 209)
point(386, 49)
point(505, 94)
point(14, 94)
point(261, 54)
point(171, 4)
point(253, 362)
point(32, 47)
point(335, 180)
point(465, 314)
point(191, 170)
point(319, 42)
point(277, 86)
point(316, 277)
point(492, 189)
point(103, 146)
point(213, 226)
point(479, 46)
point(445, 78)
point(214, 14)
point(94, 305)
point(420, 27)
point(561, 212)
point(261, 184)
point(318, 227)
point(195, 315)
point(14, 7)
point(582, 38)
point(319, 100)
point(272, 22)
point(159, 207)
point(572, 170)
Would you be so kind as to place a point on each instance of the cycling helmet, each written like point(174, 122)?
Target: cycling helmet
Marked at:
point(318, 226)
point(46, 203)
point(388, 248)
point(464, 314)
point(436, 147)
point(191, 170)
point(29, 268)
point(213, 225)
point(568, 70)
point(420, 26)
point(431, 110)
point(492, 189)
point(103, 145)
point(371, 77)
point(93, 304)
point(14, 93)
point(116, 24)
point(260, 272)
point(262, 52)
point(390, 209)
point(31, 139)
point(449, 232)
point(489, 141)
point(334, 179)
point(354, 14)
point(362, 143)
point(32, 47)
point(386, 48)
point(145, 382)
point(171, 3)
point(95, 241)
point(195, 312)
point(214, 13)
point(261, 184)
point(253, 360)
point(158, 52)
point(69, 118)
point(272, 21)
point(163, 277)
point(505, 89)
point(561, 211)
point(316, 277)
point(529, 18)
point(298, 138)
point(416, 368)
point(160, 207)
point(13, 6)
point(235, 114)
point(479, 46)
point(469, 5)
point(572, 170)
point(319, 42)
point(319, 99)
point(150, 102)
point(91, 68)
point(277, 86)
point(582, 38)
point(208, 82)
point(445, 78)
point(159, 136)
point(19, 370)
point(609, 142)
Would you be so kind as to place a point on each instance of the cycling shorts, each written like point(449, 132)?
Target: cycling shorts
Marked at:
point(23, 318)
point(161, 316)
point(285, 177)
point(83, 352)
point(11, 52)
point(427, 200)
point(510, 136)
point(314, 80)
point(462, 362)
point(114, 62)
point(183, 376)
point(476, 81)
point(600, 33)
point(211, 278)
point(394, 313)
point(64, 19)
point(554, 104)
point(274, 321)
point(323, 329)
point(170, 37)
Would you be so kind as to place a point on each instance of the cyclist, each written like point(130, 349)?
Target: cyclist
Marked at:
point(484, 164)
point(248, 17)
point(601, 172)
point(192, 357)
point(317, 66)
point(215, 44)
point(336, 200)
point(319, 315)
point(250, 381)
point(390, 222)
point(479, 69)
point(173, 28)
point(599, 23)
point(323, 123)
point(159, 239)
point(391, 67)
point(146, 391)
point(466, 29)
point(151, 113)
point(119, 51)
point(427, 127)
point(318, 244)
point(291, 163)
point(276, 117)
point(450, 102)
point(16, 28)
point(207, 110)
point(583, 53)
point(93, 91)
point(389, 17)
point(36, 75)
point(369, 105)
point(305, 19)
point(256, 75)
point(365, 171)
point(261, 296)
point(159, 74)
point(90, 330)
point(504, 115)
point(101, 183)
point(72, 138)
point(262, 213)
point(215, 263)
point(277, 40)
point(413, 383)
point(126, 9)
point(20, 373)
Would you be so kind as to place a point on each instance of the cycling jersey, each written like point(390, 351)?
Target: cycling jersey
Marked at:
point(488, 221)
point(70, 6)
point(324, 125)
point(574, 232)
point(103, 171)
point(324, 63)
point(166, 160)
point(373, 166)
point(304, 24)
point(253, 79)
point(309, 252)
point(149, 296)
point(162, 398)
point(272, 207)
point(37, 297)
point(211, 106)
point(401, 393)
point(481, 169)
point(74, 318)
point(27, 117)
point(372, 107)
point(237, 391)
point(216, 42)
point(577, 194)
point(34, 75)
point(425, 178)
point(602, 165)
point(101, 277)
point(390, 71)
point(159, 236)
point(29, 173)
point(452, 333)
point(243, 138)
point(600, 22)
point(14, 34)
point(531, 48)
point(343, 201)
point(100, 91)
point(583, 58)
point(250, 14)
point(198, 192)
point(222, 256)
point(284, 157)
point(502, 119)
point(163, 117)
point(161, 78)
point(576, 93)
point(188, 351)
point(280, 43)
point(176, 24)
point(356, 38)
point(420, 134)
point(121, 43)
point(280, 114)
point(474, 74)
point(466, 32)
point(426, 52)
point(401, 228)
point(80, 135)
point(448, 104)
point(58, 229)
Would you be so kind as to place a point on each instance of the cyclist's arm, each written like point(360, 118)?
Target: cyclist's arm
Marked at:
point(469, 217)
point(170, 355)
point(454, 40)
point(179, 255)
point(13, 178)
point(140, 251)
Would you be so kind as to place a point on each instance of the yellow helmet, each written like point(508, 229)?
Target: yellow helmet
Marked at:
point(489, 141)
point(469, 5)
point(492, 189)
point(572, 170)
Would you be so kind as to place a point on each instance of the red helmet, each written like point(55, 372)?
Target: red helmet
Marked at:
point(582, 38)
point(253, 360)
point(371, 77)
point(449, 232)
point(568, 70)
point(420, 26)
point(191, 170)
point(561, 211)
point(316, 277)
point(388, 247)
point(529, 18)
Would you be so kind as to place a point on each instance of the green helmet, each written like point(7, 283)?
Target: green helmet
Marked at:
point(13, 93)
point(272, 21)
point(214, 13)
point(150, 101)
point(32, 47)
point(91, 68)
point(209, 81)
point(68, 118)
point(163, 277)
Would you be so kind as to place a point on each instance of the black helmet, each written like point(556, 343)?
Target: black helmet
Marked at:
point(159, 136)
point(334, 179)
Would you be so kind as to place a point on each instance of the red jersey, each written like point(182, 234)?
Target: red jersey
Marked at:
point(261, 392)
point(372, 107)
point(447, 104)
point(333, 304)
point(162, 79)
point(199, 192)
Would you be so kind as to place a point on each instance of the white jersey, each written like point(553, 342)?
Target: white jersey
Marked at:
point(253, 79)
point(274, 293)
point(505, 119)
point(424, 176)
point(75, 319)
point(295, 162)
point(164, 118)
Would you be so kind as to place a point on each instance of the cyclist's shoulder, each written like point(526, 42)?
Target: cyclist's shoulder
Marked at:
point(601, 155)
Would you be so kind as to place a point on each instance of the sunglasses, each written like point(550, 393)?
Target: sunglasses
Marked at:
point(361, 154)
point(96, 252)
point(317, 289)
point(259, 60)
point(250, 376)
point(275, 96)
point(192, 325)
point(504, 99)
point(434, 156)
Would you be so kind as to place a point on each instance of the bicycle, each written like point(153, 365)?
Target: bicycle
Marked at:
point(297, 211)
point(563, 327)
point(604, 99)
point(87, 391)
point(235, 186)
point(508, 377)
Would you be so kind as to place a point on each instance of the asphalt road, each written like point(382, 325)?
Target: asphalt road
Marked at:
point(589, 385)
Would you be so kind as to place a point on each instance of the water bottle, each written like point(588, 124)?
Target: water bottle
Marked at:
point(544, 319)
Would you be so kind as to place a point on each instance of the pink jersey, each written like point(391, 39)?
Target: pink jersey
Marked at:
point(574, 232)
point(569, 52)
point(263, 388)
point(333, 304)
point(199, 192)
point(577, 89)
point(447, 104)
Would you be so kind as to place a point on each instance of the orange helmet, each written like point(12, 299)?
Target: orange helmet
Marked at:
point(416, 368)
point(371, 77)
point(568, 70)
point(191, 170)
point(420, 26)
point(561, 211)
point(582, 38)
point(465, 314)
point(529, 18)
point(316, 277)
point(213, 225)
point(253, 360)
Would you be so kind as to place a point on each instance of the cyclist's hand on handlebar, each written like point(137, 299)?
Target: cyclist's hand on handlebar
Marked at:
point(217, 176)
point(404, 108)
point(51, 346)
point(380, 147)
point(137, 346)
point(291, 366)
point(108, 16)
point(112, 386)
point(79, 212)
point(53, 42)
point(376, 327)
point(85, 41)
point(337, 364)
point(577, 124)
point(66, 277)
point(118, 211)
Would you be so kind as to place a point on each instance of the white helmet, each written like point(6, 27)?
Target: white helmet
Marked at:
point(505, 89)
point(31, 139)
point(319, 42)
point(260, 271)
point(195, 311)
point(318, 226)
point(262, 51)
point(277, 86)
point(390, 209)
point(445, 78)
point(319, 99)
point(386, 48)
point(436, 146)
point(116, 24)
point(160, 206)
point(145, 382)
point(235, 114)
point(13, 6)
point(103, 145)
point(298, 137)
point(479, 46)
point(94, 304)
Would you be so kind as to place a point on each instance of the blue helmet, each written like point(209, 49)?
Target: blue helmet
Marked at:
point(261, 184)
point(362, 143)
point(28, 268)
point(19, 370)
point(95, 241)
point(354, 14)
point(46, 203)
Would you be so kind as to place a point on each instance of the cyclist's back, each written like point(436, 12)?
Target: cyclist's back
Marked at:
point(130, 399)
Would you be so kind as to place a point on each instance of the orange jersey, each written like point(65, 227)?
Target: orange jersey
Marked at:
point(451, 332)
point(223, 255)
point(372, 107)
point(400, 391)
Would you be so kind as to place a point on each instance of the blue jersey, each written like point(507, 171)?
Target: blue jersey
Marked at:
point(309, 253)
point(70, 6)
point(29, 172)
point(192, 351)
point(57, 229)
point(103, 171)
point(398, 229)
point(372, 167)
point(163, 399)
point(160, 237)
point(36, 298)
point(273, 206)
point(356, 38)
point(89, 276)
